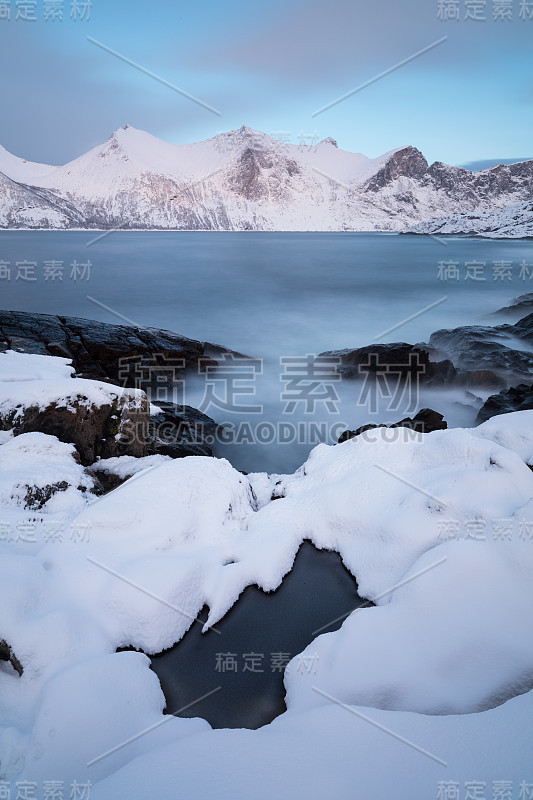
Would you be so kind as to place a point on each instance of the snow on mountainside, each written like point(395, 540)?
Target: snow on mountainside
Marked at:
point(18, 169)
point(28, 207)
point(511, 222)
point(246, 180)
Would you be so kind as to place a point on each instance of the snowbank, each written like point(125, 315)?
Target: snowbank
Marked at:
point(437, 529)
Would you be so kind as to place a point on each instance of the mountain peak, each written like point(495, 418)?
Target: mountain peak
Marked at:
point(406, 162)
point(124, 129)
point(135, 179)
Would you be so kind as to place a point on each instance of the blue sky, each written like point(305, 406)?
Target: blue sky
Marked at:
point(271, 66)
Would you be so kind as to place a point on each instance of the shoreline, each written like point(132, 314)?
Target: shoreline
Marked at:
point(109, 231)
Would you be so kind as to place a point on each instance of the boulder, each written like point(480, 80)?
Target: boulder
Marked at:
point(518, 307)
point(180, 431)
point(516, 398)
point(102, 350)
point(395, 360)
point(484, 349)
point(470, 356)
point(6, 654)
point(108, 429)
point(425, 421)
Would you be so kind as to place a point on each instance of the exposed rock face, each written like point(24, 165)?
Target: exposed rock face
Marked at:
point(98, 350)
point(41, 474)
point(470, 356)
point(518, 307)
point(523, 329)
point(107, 430)
point(475, 347)
point(180, 431)
point(448, 178)
point(38, 496)
point(408, 163)
point(516, 398)
point(34, 208)
point(425, 421)
point(6, 654)
point(397, 360)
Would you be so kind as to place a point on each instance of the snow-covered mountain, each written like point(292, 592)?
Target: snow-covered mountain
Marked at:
point(246, 180)
point(512, 222)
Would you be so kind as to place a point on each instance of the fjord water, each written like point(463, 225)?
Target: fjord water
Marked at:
point(271, 295)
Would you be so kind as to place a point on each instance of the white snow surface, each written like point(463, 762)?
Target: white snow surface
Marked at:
point(35, 380)
point(449, 635)
point(19, 169)
point(512, 222)
point(128, 466)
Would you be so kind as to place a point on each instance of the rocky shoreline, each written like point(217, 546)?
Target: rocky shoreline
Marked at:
point(147, 360)
point(126, 358)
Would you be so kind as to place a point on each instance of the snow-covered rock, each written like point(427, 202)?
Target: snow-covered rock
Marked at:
point(38, 472)
point(39, 393)
point(511, 222)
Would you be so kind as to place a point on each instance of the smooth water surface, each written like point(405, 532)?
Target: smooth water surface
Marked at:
point(273, 295)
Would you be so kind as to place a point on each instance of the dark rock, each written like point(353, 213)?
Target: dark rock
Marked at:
point(5, 650)
point(180, 431)
point(470, 356)
point(407, 162)
point(104, 481)
point(329, 140)
point(101, 350)
point(518, 307)
point(459, 183)
point(279, 491)
point(523, 329)
point(37, 496)
point(517, 398)
point(480, 350)
point(395, 360)
point(425, 421)
point(480, 379)
point(350, 434)
point(7, 654)
point(476, 348)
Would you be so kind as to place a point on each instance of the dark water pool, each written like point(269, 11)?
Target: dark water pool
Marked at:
point(257, 637)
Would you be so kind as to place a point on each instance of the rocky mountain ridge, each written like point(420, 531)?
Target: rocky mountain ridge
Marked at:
point(247, 180)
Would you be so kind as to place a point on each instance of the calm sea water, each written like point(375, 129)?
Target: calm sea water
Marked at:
point(271, 295)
